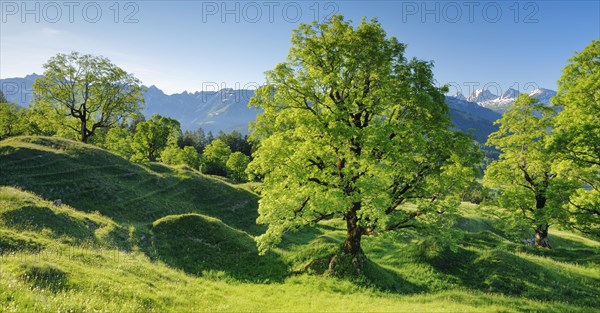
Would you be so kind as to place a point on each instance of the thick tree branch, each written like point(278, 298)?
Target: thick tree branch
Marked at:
point(402, 223)
point(302, 206)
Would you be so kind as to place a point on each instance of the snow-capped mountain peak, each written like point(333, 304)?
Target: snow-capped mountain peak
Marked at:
point(510, 94)
point(543, 95)
point(458, 95)
point(481, 95)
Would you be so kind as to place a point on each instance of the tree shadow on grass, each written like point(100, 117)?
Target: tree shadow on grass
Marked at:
point(317, 256)
point(564, 249)
point(158, 168)
point(388, 280)
point(503, 272)
point(485, 240)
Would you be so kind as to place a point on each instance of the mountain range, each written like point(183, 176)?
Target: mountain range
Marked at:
point(227, 109)
point(224, 110)
point(487, 99)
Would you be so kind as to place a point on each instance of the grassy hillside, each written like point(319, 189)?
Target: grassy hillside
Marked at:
point(91, 179)
point(131, 237)
point(199, 244)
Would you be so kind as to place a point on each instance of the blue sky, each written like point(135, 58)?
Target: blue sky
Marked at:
point(197, 45)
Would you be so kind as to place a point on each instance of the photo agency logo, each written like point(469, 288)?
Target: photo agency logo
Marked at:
point(69, 11)
point(267, 11)
point(18, 92)
point(56, 253)
point(236, 92)
point(495, 89)
point(469, 11)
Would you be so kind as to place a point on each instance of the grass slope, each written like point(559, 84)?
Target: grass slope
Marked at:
point(91, 179)
point(200, 244)
point(133, 237)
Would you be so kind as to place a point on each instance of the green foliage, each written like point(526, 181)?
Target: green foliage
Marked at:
point(475, 193)
point(576, 137)
point(236, 166)
point(214, 158)
point(89, 91)
point(175, 156)
point(531, 192)
point(191, 157)
point(13, 120)
point(195, 139)
point(45, 121)
point(352, 129)
point(236, 142)
point(119, 140)
point(134, 121)
point(153, 136)
point(172, 155)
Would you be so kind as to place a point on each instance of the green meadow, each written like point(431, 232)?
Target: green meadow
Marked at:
point(130, 237)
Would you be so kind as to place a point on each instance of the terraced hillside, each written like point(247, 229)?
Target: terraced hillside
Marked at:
point(91, 179)
point(146, 237)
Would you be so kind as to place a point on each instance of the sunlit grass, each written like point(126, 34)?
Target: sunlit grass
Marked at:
point(152, 238)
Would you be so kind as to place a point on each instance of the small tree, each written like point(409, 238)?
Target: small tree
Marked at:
point(191, 157)
point(196, 139)
point(576, 137)
point(215, 157)
point(13, 120)
point(89, 90)
point(236, 142)
point(172, 155)
point(236, 166)
point(119, 140)
point(153, 136)
point(529, 189)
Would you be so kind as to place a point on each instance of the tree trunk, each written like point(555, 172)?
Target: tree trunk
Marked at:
point(541, 236)
point(84, 137)
point(353, 233)
point(351, 258)
point(541, 231)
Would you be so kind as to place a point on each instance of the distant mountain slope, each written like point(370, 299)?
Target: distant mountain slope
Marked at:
point(228, 110)
point(19, 89)
point(225, 110)
point(469, 115)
